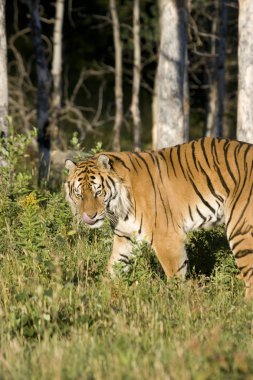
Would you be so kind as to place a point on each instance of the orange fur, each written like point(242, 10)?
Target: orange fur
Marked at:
point(160, 196)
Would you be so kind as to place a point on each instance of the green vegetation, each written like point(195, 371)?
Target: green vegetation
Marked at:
point(61, 318)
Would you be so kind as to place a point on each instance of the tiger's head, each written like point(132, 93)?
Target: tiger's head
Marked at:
point(94, 190)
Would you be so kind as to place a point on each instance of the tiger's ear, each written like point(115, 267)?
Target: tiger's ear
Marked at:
point(70, 165)
point(104, 163)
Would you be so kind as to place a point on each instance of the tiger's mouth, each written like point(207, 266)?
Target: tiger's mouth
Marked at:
point(94, 222)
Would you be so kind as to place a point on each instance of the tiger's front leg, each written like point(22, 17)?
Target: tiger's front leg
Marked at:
point(121, 253)
point(172, 255)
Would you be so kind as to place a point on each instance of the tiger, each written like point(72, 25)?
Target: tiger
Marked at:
point(159, 196)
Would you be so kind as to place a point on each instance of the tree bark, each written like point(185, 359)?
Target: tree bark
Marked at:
point(3, 74)
point(171, 73)
point(221, 58)
point(135, 110)
point(43, 81)
point(212, 106)
point(118, 77)
point(56, 71)
point(245, 65)
point(215, 114)
point(155, 112)
point(186, 100)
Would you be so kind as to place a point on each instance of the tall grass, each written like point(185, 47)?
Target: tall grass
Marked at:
point(62, 318)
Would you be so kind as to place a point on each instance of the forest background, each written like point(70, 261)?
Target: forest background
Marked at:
point(87, 104)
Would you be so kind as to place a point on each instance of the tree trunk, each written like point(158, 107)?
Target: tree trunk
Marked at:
point(3, 74)
point(186, 100)
point(215, 114)
point(212, 106)
point(135, 110)
point(56, 72)
point(43, 80)
point(245, 65)
point(171, 73)
point(221, 57)
point(118, 77)
point(155, 112)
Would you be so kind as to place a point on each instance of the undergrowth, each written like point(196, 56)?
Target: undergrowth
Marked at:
point(63, 318)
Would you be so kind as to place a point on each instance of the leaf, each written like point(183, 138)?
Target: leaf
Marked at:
point(46, 317)
point(71, 232)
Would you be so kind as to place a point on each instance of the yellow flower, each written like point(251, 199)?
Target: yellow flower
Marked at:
point(28, 200)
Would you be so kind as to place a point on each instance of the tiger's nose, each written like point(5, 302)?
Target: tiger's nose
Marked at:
point(92, 216)
point(89, 219)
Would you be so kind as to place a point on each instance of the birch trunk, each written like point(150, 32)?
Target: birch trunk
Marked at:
point(245, 64)
point(171, 73)
point(118, 77)
point(3, 73)
point(43, 80)
point(56, 70)
point(135, 110)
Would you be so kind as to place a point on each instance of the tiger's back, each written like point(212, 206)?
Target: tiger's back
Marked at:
point(159, 196)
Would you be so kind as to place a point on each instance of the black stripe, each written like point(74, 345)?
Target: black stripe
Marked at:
point(152, 181)
point(139, 231)
point(214, 152)
point(243, 253)
point(171, 161)
point(245, 207)
point(201, 197)
point(130, 158)
point(127, 262)
point(237, 152)
point(247, 271)
point(179, 160)
point(233, 246)
point(241, 268)
point(240, 232)
point(237, 149)
point(202, 144)
point(194, 155)
point(159, 168)
point(188, 166)
point(210, 186)
point(190, 212)
point(120, 160)
point(125, 256)
point(151, 155)
point(164, 158)
point(201, 215)
point(217, 167)
point(245, 156)
point(171, 217)
point(122, 236)
point(182, 266)
point(136, 158)
point(134, 207)
point(234, 206)
point(163, 206)
point(227, 145)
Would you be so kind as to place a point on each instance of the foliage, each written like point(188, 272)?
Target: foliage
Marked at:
point(81, 152)
point(61, 317)
point(88, 78)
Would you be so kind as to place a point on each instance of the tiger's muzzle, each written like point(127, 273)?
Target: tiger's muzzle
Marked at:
point(93, 221)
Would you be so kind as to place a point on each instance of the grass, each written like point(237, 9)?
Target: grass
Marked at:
point(62, 318)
